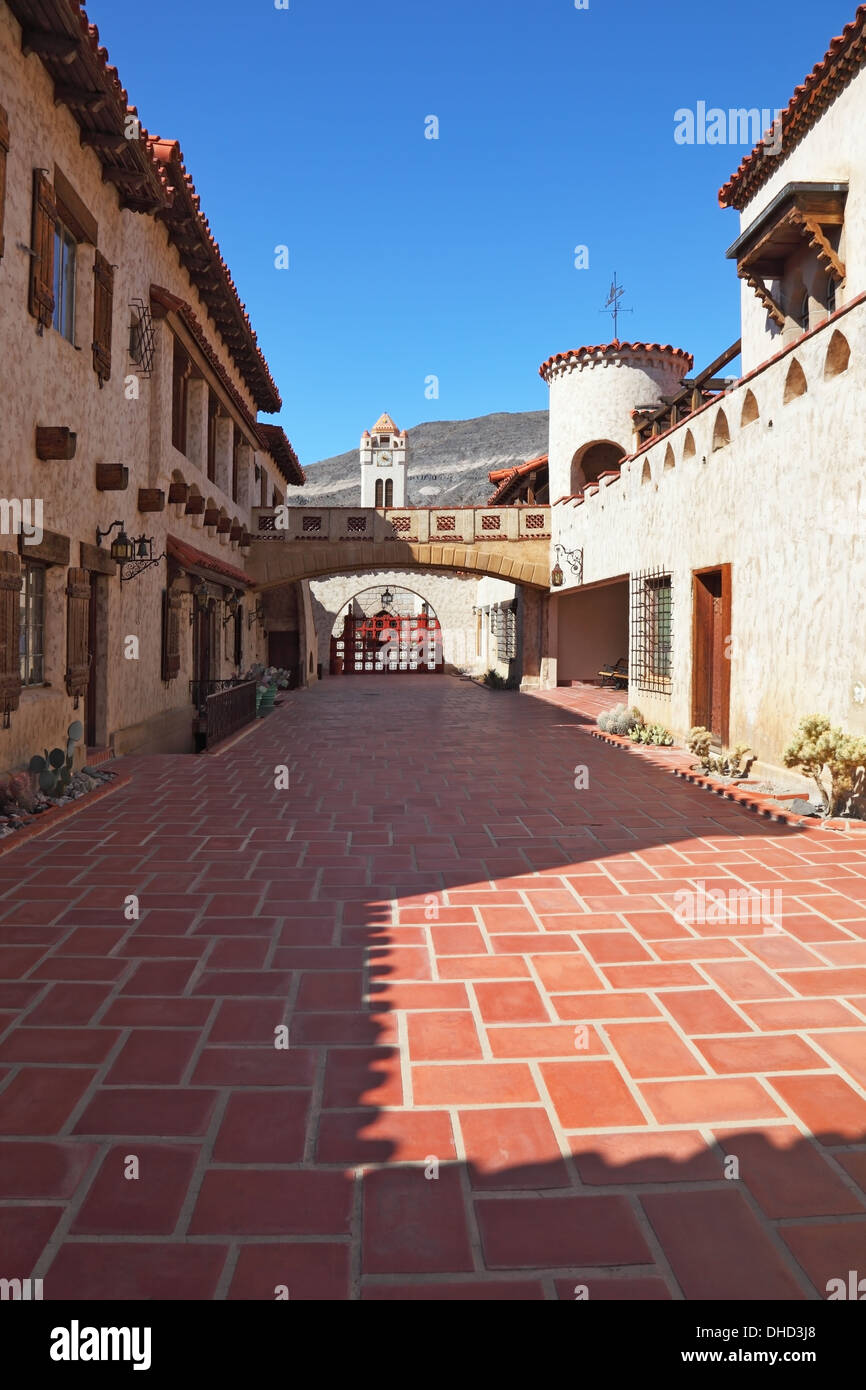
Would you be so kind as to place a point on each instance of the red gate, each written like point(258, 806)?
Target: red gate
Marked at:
point(387, 643)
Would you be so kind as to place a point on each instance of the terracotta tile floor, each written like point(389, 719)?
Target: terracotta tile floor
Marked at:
point(511, 1070)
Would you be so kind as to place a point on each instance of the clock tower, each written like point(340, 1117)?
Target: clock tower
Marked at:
point(383, 465)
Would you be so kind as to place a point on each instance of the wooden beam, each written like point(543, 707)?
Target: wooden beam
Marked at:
point(68, 95)
point(112, 477)
point(827, 256)
point(55, 442)
point(760, 289)
point(103, 140)
point(47, 44)
point(130, 177)
point(151, 499)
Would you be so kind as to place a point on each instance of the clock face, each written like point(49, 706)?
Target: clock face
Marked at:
point(385, 457)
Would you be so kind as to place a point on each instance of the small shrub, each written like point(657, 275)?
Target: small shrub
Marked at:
point(493, 680)
point(816, 747)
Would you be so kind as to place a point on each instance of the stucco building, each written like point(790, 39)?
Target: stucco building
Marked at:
point(712, 528)
point(133, 381)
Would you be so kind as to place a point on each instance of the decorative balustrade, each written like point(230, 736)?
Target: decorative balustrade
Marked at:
point(414, 525)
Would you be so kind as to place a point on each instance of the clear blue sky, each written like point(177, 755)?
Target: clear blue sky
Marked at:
point(412, 257)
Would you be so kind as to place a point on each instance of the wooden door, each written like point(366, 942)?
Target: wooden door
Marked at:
point(711, 670)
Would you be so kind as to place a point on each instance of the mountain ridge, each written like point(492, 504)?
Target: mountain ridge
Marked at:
point(449, 461)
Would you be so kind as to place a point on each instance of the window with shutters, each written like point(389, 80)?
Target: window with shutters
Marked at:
point(103, 308)
point(10, 620)
point(42, 248)
point(65, 255)
point(31, 624)
point(181, 368)
point(77, 632)
point(4, 150)
point(172, 602)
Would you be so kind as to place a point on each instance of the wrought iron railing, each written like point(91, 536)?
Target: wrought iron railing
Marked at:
point(199, 691)
point(228, 710)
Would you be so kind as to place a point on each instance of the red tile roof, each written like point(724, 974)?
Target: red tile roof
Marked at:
point(86, 69)
point(191, 558)
point(499, 473)
point(152, 176)
point(200, 254)
point(612, 349)
point(845, 57)
point(283, 454)
point(506, 477)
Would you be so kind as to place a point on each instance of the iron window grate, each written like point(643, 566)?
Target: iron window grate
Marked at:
point(651, 631)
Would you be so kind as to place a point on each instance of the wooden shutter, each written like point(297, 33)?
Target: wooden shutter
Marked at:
point(103, 306)
point(4, 150)
point(77, 632)
point(42, 245)
point(172, 605)
point(10, 623)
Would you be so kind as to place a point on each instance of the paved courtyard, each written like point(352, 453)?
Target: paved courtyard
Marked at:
point(511, 1070)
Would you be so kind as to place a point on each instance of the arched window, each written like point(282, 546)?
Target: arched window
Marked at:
point(389, 492)
point(802, 316)
point(379, 487)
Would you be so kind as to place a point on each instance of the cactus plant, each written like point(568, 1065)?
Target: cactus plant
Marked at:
point(53, 772)
point(620, 720)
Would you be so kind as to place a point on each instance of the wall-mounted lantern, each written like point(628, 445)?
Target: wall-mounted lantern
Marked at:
point(133, 556)
point(556, 576)
point(231, 606)
point(200, 600)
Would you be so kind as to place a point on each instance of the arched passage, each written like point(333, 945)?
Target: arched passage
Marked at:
point(386, 631)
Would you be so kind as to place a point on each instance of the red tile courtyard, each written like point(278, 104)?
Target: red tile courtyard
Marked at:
point(429, 1023)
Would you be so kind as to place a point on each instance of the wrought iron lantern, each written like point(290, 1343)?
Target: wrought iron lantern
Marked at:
point(200, 600)
point(134, 556)
point(387, 598)
point(231, 606)
point(556, 576)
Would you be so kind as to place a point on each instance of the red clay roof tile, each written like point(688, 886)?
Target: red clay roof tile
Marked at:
point(602, 349)
point(809, 102)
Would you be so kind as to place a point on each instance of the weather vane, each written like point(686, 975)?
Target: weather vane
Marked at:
point(612, 305)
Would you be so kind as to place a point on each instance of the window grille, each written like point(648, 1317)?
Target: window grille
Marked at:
point(651, 631)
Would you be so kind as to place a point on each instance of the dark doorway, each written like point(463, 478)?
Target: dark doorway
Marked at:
point(284, 650)
point(711, 674)
point(203, 646)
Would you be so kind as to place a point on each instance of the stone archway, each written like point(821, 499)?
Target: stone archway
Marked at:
point(451, 597)
point(387, 630)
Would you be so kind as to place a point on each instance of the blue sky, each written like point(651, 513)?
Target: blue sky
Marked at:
point(454, 257)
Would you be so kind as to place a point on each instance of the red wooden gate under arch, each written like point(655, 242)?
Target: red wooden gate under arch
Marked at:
point(387, 643)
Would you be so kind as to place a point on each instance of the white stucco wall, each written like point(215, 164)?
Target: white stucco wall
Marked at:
point(784, 503)
point(833, 151)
